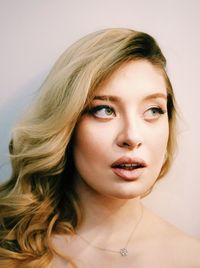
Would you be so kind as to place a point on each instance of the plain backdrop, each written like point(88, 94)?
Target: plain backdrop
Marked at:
point(33, 33)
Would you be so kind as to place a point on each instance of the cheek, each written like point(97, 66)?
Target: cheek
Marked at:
point(163, 136)
point(89, 142)
point(158, 143)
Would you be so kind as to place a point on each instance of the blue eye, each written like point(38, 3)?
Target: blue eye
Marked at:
point(102, 111)
point(153, 113)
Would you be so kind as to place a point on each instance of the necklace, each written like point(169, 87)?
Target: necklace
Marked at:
point(123, 251)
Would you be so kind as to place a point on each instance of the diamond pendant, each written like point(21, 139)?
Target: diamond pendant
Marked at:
point(123, 251)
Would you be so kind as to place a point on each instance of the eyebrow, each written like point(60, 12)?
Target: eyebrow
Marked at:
point(156, 96)
point(107, 98)
point(117, 99)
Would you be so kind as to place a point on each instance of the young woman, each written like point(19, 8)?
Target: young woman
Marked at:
point(99, 136)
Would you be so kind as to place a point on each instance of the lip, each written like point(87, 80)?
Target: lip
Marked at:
point(132, 174)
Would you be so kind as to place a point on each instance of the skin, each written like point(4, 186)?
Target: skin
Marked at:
point(132, 126)
point(133, 129)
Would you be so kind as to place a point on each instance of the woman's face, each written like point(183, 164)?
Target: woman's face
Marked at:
point(121, 139)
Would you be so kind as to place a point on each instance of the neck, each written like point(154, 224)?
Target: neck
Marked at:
point(112, 218)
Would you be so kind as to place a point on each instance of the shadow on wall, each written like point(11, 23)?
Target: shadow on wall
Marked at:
point(10, 113)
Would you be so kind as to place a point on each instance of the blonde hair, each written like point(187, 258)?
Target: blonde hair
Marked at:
point(39, 199)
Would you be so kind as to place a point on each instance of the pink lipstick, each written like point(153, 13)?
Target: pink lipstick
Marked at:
point(129, 168)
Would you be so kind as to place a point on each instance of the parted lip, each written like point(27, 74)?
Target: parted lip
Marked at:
point(128, 160)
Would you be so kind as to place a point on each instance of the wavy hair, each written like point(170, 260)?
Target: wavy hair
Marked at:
point(39, 199)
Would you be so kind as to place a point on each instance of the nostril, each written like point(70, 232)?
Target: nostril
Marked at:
point(125, 144)
point(131, 144)
point(129, 140)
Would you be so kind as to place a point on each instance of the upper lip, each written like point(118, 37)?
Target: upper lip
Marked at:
point(129, 160)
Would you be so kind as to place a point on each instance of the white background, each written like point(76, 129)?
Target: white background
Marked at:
point(33, 33)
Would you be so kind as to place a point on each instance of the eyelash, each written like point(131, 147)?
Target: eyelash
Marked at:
point(157, 109)
point(93, 110)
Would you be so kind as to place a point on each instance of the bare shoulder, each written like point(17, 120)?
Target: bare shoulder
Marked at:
point(67, 250)
point(187, 248)
point(182, 248)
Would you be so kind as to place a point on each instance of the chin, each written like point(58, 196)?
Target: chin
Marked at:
point(131, 192)
point(126, 195)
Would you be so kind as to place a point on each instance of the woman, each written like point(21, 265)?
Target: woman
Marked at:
point(99, 136)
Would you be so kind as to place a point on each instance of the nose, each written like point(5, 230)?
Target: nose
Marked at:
point(129, 135)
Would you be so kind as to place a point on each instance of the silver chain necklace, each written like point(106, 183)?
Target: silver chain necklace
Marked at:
point(123, 251)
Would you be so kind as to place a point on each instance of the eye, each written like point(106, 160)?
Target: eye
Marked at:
point(153, 113)
point(102, 111)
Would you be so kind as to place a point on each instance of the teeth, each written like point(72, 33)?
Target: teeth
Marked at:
point(128, 165)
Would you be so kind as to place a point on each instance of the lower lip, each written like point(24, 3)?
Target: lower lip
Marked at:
point(128, 175)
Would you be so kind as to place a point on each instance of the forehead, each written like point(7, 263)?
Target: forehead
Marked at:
point(136, 78)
